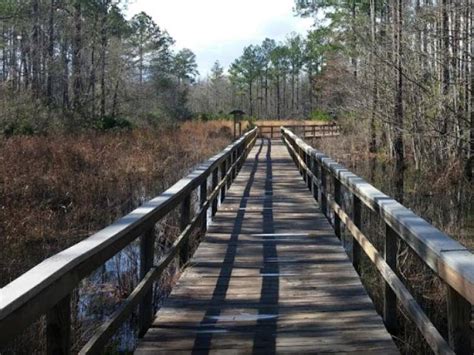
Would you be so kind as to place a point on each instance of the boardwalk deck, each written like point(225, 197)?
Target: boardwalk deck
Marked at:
point(270, 276)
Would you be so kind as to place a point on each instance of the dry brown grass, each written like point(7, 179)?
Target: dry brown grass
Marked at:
point(58, 189)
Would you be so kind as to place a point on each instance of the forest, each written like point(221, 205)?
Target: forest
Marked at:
point(102, 110)
point(403, 69)
point(82, 64)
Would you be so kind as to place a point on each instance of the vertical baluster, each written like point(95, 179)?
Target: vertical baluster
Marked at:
point(145, 312)
point(202, 201)
point(58, 328)
point(230, 160)
point(337, 199)
point(459, 317)
point(215, 182)
point(323, 199)
point(303, 157)
point(390, 299)
point(357, 219)
point(315, 182)
point(185, 220)
point(223, 172)
point(309, 179)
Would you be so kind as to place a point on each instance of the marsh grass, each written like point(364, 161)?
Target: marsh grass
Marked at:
point(58, 189)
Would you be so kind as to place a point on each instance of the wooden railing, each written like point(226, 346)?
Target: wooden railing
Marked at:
point(302, 130)
point(46, 289)
point(448, 259)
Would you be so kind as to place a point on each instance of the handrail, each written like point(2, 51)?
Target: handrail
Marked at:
point(451, 261)
point(307, 130)
point(46, 288)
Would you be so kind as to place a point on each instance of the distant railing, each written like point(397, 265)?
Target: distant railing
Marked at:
point(302, 130)
point(452, 262)
point(46, 289)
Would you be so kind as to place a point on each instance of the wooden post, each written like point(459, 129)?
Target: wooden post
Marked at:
point(337, 199)
point(215, 182)
point(230, 161)
point(185, 220)
point(309, 179)
point(324, 201)
point(235, 155)
point(147, 254)
point(459, 317)
point(315, 182)
point(58, 328)
point(271, 132)
point(390, 299)
point(223, 172)
point(202, 201)
point(357, 219)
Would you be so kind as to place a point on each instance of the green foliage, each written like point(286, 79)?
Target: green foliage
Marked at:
point(205, 117)
point(113, 123)
point(320, 115)
point(19, 129)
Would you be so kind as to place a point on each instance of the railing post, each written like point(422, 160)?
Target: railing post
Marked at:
point(337, 199)
point(271, 132)
point(324, 200)
point(390, 299)
point(229, 160)
point(58, 328)
point(185, 220)
point(202, 201)
point(303, 168)
point(309, 164)
point(235, 158)
point(147, 254)
point(459, 317)
point(357, 219)
point(223, 171)
point(314, 170)
point(215, 182)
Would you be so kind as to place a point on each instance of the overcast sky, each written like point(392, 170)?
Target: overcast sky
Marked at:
point(219, 29)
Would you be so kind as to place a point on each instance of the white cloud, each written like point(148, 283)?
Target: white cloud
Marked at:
point(219, 29)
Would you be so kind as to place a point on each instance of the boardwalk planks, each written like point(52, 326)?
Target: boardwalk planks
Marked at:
point(270, 276)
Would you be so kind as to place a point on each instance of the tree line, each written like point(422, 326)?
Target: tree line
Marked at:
point(82, 63)
point(412, 69)
point(404, 69)
point(270, 80)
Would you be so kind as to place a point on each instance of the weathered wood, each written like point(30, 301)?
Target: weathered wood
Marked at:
point(215, 181)
point(434, 339)
point(445, 256)
point(268, 282)
point(323, 189)
point(111, 325)
point(394, 288)
point(202, 201)
point(40, 289)
point(58, 328)
point(357, 219)
point(459, 318)
point(223, 169)
point(183, 222)
point(389, 298)
point(337, 199)
point(147, 254)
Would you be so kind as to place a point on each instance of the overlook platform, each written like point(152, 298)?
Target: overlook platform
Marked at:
point(269, 277)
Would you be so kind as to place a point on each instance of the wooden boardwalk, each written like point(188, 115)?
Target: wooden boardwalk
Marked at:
point(269, 277)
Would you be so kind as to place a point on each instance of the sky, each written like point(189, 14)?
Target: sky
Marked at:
point(220, 29)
